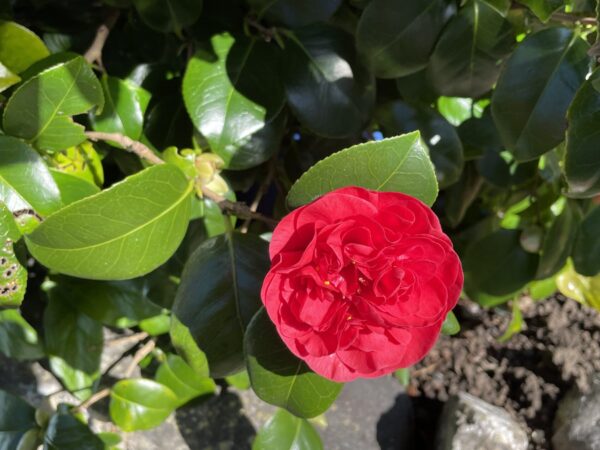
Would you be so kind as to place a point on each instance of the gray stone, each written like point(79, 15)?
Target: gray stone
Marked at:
point(577, 420)
point(469, 423)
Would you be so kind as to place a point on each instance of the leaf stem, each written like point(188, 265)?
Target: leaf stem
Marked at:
point(238, 209)
point(127, 143)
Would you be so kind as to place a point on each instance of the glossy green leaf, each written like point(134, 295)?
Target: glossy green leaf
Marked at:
point(467, 58)
point(240, 380)
point(582, 159)
point(396, 37)
point(185, 383)
point(119, 304)
point(479, 135)
point(416, 88)
point(39, 110)
point(13, 276)
point(585, 290)
point(535, 89)
point(156, 325)
point(450, 326)
point(403, 376)
point(502, 6)
point(398, 164)
point(497, 264)
point(233, 97)
point(168, 123)
point(461, 195)
point(74, 344)
point(8, 226)
point(140, 404)
point(124, 107)
point(72, 188)
point(82, 161)
point(25, 181)
point(445, 148)
point(219, 294)
point(123, 232)
point(19, 47)
point(66, 432)
point(7, 78)
point(457, 110)
point(16, 418)
point(186, 346)
point(283, 431)
point(543, 8)
point(500, 169)
point(168, 15)
point(557, 244)
point(18, 339)
point(542, 289)
point(280, 378)
point(586, 248)
point(327, 87)
point(294, 13)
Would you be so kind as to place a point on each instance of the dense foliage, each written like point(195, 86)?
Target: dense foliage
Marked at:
point(148, 147)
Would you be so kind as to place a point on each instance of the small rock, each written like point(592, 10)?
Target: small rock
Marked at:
point(468, 423)
point(577, 419)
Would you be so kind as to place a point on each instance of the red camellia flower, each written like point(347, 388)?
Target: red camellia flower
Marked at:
point(361, 282)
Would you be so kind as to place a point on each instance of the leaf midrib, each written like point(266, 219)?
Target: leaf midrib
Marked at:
point(173, 206)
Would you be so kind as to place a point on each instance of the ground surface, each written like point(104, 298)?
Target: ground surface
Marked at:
point(526, 375)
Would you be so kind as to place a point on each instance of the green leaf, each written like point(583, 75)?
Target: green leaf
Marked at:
point(457, 110)
point(280, 378)
point(461, 195)
point(39, 110)
point(18, 339)
point(543, 9)
point(219, 294)
point(294, 13)
point(283, 431)
point(398, 164)
point(186, 346)
point(467, 58)
point(542, 289)
point(529, 106)
point(239, 380)
point(585, 290)
point(168, 15)
point(121, 304)
point(140, 404)
point(123, 232)
point(168, 123)
point(7, 78)
point(582, 159)
point(72, 188)
point(81, 161)
point(396, 37)
point(25, 181)
point(445, 148)
point(558, 243)
point(74, 344)
point(586, 248)
point(233, 98)
point(16, 418)
point(327, 87)
point(19, 47)
point(124, 107)
point(502, 6)
point(497, 264)
point(403, 376)
point(8, 226)
point(13, 277)
point(66, 432)
point(156, 325)
point(185, 383)
point(479, 135)
point(450, 326)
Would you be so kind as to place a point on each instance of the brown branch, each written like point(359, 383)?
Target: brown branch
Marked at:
point(262, 190)
point(94, 53)
point(139, 355)
point(566, 17)
point(127, 143)
point(238, 209)
point(132, 338)
point(266, 33)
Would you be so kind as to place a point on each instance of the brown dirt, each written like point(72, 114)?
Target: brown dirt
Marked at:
point(527, 375)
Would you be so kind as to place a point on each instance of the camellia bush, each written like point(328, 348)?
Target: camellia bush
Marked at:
point(280, 195)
